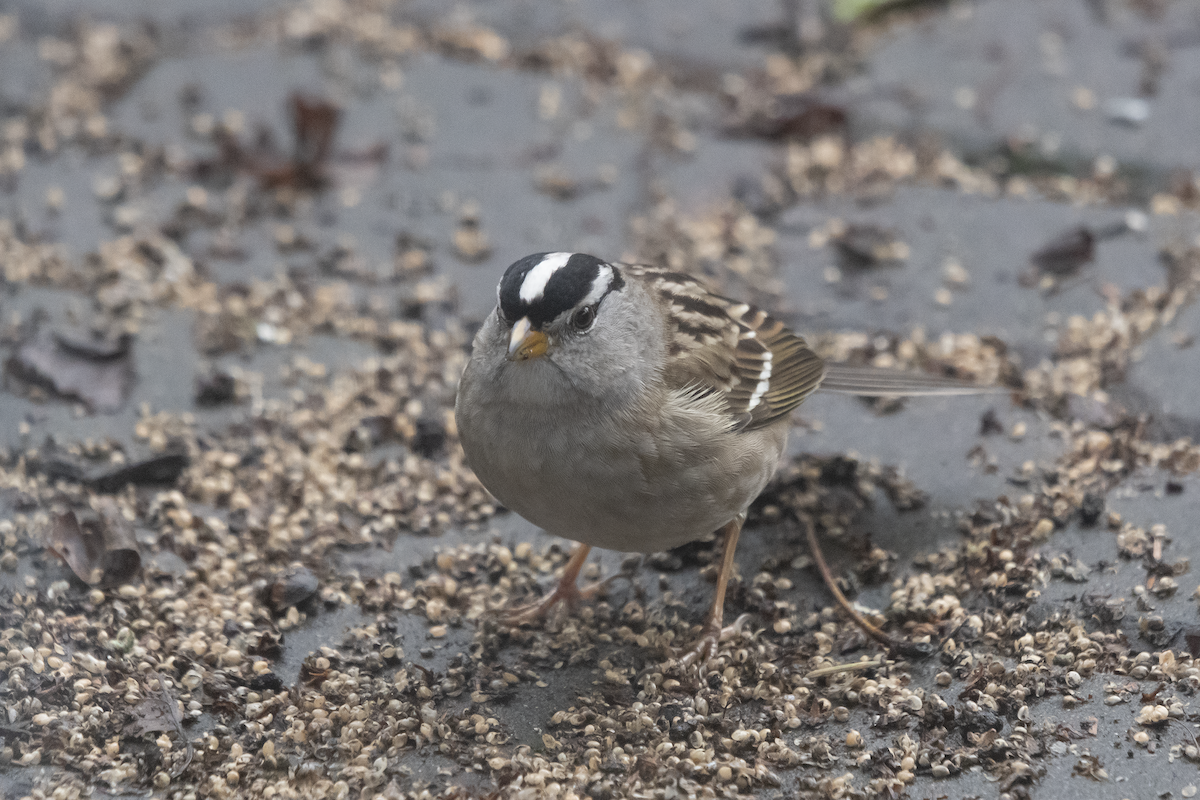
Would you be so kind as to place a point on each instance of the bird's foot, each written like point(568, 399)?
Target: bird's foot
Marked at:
point(710, 639)
point(566, 592)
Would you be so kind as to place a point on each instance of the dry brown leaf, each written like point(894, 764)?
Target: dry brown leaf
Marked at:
point(98, 550)
point(98, 373)
point(82, 550)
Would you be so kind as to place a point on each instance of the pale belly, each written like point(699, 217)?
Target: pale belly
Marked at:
point(639, 494)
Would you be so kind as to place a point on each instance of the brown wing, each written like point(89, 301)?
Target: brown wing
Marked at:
point(718, 345)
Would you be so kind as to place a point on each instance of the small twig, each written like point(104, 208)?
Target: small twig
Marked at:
point(902, 646)
point(173, 715)
point(1186, 729)
point(1156, 554)
point(853, 666)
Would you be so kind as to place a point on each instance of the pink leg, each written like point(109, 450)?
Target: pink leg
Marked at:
point(713, 633)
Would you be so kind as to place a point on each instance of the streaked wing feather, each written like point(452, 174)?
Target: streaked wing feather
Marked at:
point(725, 346)
point(798, 370)
point(877, 382)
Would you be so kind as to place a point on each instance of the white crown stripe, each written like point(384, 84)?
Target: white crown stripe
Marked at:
point(600, 285)
point(536, 279)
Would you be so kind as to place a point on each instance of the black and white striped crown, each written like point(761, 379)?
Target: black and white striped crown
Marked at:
point(543, 286)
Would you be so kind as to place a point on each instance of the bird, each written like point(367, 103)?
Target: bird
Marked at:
point(631, 408)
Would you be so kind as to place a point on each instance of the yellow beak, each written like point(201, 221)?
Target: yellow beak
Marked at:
point(524, 343)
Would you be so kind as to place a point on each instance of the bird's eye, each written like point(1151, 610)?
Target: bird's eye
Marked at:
point(583, 318)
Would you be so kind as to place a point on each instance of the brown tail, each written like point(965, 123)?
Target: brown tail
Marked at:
point(876, 382)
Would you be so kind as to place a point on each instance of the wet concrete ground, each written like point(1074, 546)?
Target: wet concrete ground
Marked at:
point(513, 127)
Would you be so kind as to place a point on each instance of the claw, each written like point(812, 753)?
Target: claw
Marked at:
point(710, 639)
point(569, 594)
point(567, 591)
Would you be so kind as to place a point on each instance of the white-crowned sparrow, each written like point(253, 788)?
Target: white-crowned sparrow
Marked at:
point(630, 408)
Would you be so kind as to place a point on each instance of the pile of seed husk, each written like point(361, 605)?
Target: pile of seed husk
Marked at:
point(800, 689)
